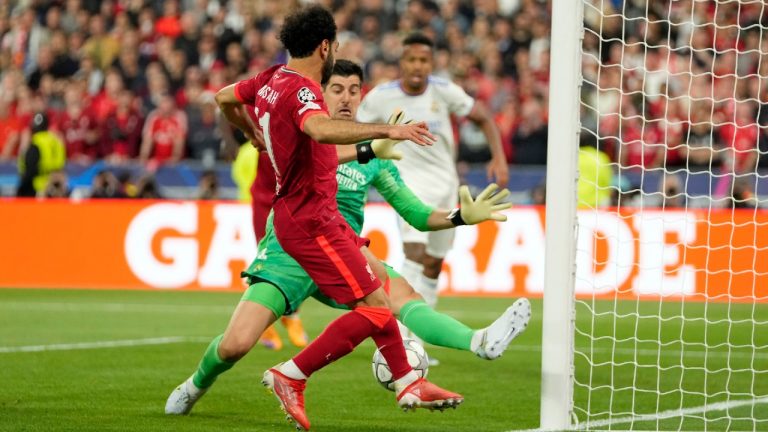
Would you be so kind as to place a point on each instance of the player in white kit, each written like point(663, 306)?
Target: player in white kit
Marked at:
point(430, 173)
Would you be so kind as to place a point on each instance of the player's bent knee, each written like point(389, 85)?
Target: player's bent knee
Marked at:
point(233, 348)
point(432, 266)
point(414, 251)
point(378, 316)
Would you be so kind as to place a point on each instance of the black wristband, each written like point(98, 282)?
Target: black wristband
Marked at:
point(455, 217)
point(364, 153)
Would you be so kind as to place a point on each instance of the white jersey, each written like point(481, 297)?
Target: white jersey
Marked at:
point(426, 170)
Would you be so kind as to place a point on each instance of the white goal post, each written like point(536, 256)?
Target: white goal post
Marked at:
point(655, 308)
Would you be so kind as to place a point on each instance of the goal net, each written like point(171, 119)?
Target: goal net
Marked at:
point(671, 262)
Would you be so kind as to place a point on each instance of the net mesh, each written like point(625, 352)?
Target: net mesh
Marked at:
point(671, 325)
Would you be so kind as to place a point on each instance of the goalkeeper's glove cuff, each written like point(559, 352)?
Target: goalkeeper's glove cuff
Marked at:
point(455, 217)
point(364, 153)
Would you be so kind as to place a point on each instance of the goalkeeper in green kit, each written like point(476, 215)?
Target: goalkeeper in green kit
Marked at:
point(278, 284)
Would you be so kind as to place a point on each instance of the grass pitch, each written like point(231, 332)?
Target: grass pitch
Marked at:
point(60, 368)
point(125, 388)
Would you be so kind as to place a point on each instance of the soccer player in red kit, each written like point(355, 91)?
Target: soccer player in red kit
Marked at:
point(294, 121)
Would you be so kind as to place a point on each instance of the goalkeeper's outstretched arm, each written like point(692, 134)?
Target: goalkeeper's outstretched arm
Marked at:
point(423, 217)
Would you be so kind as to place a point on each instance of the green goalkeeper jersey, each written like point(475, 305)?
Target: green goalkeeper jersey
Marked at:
point(355, 181)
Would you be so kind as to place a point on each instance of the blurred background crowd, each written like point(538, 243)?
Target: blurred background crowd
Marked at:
point(131, 82)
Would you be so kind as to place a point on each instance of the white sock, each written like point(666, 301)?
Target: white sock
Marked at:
point(191, 388)
point(477, 339)
point(405, 381)
point(412, 271)
point(427, 287)
point(292, 371)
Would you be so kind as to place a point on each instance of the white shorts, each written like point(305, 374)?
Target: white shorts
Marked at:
point(438, 243)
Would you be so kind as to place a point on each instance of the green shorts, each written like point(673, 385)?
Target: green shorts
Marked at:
point(275, 266)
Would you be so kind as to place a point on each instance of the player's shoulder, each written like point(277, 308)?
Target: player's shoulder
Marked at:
point(385, 89)
point(439, 81)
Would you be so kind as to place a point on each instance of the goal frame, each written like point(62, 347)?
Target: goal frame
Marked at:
point(561, 225)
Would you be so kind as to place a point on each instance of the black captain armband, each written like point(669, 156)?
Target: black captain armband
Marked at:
point(364, 153)
point(455, 217)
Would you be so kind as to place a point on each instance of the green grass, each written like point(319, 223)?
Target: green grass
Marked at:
point(124, 388)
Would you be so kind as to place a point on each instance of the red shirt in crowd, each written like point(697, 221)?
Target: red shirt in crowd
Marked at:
point(163, 131)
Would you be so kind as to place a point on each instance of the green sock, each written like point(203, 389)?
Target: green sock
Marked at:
point(211, 366)
point(434, 327)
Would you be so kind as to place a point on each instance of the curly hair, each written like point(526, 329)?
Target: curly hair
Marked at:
point(305, 29)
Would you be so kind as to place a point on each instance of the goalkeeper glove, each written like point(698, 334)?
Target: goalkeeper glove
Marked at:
point(485, 207)
point(382, 148)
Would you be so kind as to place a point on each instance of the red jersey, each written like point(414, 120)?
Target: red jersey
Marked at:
point(75, 130)
point(163, 131)
point(262, 194)
point(282, 100)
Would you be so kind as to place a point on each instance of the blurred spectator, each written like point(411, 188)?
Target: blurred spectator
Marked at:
point(164, 134)
point(539, 195)
point(208, 186)
point(57, 186)
point(530, 138)
point(10, 132)
point(121, 131)
point(101, 47)
point(671, 193)
point(146, 188)
point(743, 194)
point(106, 185)
point(595, 174)
point(204, 138)
point(40, 158)
point(77, 127)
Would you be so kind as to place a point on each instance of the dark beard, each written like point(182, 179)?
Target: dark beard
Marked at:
point(327, 70)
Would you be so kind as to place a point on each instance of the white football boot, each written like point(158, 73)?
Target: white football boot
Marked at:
point(183, 398)
point(495, 338)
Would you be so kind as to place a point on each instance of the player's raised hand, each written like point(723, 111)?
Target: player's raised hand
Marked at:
point(415, 132)
point(385, 148)
point(485, 207)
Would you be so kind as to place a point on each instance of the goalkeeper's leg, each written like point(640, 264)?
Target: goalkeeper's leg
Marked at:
point(259, 308)
point(442, 330)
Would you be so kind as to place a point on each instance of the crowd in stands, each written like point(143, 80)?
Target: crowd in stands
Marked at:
point(684, 87)
point(133, 80)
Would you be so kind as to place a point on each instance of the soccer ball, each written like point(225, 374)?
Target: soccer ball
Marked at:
point(417, 358)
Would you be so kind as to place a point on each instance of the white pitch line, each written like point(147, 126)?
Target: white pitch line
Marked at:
point(104, 344)
point(718, 406)
point(115, 307)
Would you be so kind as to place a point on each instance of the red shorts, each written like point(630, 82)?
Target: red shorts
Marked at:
point(333, 260)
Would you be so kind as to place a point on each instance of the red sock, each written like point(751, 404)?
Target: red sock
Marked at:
point(390, 343)
point(337, 340)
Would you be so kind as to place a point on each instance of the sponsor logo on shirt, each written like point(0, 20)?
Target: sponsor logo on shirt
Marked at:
point(350, 178)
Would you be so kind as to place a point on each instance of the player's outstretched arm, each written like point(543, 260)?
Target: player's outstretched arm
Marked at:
point(324, 129)
point(423, 217)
